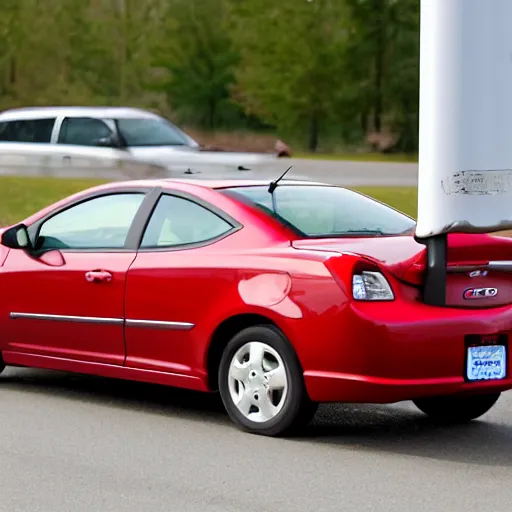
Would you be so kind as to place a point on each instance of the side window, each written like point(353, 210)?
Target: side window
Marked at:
point(99, 223)
point(83, 131)
point(177, 221)
point(30, 130)
point(5, 131)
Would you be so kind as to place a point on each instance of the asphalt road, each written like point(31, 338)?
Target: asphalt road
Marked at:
point(354, 173)
point(82, 444)
point(338, 172)
point(330, 171)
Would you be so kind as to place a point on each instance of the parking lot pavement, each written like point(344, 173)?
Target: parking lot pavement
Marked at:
point(86, 444)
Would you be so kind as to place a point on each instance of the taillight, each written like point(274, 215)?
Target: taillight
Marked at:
point(371, 286)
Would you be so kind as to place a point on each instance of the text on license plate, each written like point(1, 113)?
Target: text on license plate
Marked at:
point(487, 362)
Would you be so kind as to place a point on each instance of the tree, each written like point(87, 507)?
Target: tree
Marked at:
point(8, 30)
point(292, 62)
point(113, 51)
point(384, 56)
point(317, 69)
point(199, 60)
point(404, 75)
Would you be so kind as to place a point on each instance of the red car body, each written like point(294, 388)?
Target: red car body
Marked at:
point(165, 316)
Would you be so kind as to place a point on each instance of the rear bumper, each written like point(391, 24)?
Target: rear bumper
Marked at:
point(394, 352)
point(339, 387)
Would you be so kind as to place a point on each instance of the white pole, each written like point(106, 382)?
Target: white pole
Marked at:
point(465, 160)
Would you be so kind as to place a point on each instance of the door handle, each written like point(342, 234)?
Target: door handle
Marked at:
point(98, 276)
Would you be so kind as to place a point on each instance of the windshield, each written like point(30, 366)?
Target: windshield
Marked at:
point(326, 211)
point(150, 132)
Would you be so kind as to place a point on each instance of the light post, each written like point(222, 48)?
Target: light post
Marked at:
point(465, 154)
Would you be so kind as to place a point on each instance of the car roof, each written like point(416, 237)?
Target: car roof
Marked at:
point(234, 183)
point(214, 184)
point(183, 184)
point(77, 111)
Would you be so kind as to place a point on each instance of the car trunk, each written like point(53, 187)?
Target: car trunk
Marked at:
point(479, 270)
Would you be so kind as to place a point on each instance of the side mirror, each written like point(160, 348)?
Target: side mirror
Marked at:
point(106, 142)
point(112, 141)
point(17, 237)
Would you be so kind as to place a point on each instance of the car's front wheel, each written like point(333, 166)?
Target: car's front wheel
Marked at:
point(457, 409)
point(261, 383)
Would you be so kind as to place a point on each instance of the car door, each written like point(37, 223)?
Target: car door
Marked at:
point(84, 131)
point(94, 137)
point(170, 287)
point(89, 147)
point(67, 299)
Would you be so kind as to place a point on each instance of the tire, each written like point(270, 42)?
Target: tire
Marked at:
point(2, 365)
point(456, 409)
point(261, 383)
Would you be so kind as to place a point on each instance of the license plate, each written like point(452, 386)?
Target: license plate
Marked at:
point(487, 362)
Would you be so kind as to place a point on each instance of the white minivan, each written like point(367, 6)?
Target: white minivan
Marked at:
point(86, 140)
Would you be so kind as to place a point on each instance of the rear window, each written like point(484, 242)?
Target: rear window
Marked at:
point(28, 130)
point(325, 211)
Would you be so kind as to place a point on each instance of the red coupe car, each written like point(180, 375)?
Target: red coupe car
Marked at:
point(278, 296)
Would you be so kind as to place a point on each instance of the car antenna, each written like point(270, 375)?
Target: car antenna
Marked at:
point(274, 184)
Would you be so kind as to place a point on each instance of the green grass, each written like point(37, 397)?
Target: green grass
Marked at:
point(21, 197)
point(361, 157)
point(404, 199)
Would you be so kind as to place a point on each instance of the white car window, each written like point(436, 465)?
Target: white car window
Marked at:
point(83, 131)
point(30, 130)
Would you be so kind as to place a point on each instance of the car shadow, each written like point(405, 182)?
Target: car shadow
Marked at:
point(135, 396)
point(398, 430)
point(401, 429)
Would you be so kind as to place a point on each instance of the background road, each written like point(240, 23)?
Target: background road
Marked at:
point(349, 173)
point(330, 171)
point(82, 444)
point(338, 172)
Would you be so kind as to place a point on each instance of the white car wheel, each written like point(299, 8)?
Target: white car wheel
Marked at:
point(261, 383)
point(258, 383)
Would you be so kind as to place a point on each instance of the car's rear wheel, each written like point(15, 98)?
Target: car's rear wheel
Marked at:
point(2, 364)
point(261, 383)
point(457, 409)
